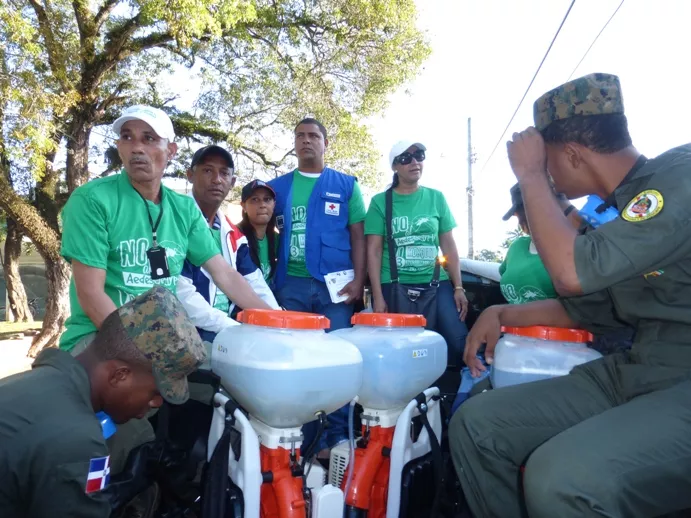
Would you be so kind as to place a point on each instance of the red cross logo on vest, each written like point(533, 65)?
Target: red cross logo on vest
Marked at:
point(331, 208)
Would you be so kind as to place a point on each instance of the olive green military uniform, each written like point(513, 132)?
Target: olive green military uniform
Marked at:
point(613, 438)
point(50, 438)
point(131, 434)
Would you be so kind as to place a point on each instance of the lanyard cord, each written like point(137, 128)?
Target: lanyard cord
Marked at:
point(148, 213)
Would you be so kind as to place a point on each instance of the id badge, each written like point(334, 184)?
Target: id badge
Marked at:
point(158, 261)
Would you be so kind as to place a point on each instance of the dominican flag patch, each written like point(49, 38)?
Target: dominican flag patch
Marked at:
point(99, 474)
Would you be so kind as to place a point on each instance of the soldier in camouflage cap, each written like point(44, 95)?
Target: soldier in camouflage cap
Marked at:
point(158, 325)
point(54, 460)
point(594, 94)
point(611, 438)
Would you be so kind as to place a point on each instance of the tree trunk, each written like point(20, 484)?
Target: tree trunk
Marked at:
point(47, 242)
point(57, 306)
point(18, 307)
point(77, 165)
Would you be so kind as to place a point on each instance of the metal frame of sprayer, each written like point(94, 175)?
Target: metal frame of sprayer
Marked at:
point(246, 471)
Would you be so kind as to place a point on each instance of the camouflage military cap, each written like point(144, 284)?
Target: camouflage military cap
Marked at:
point(159, 327)
point(594, 94)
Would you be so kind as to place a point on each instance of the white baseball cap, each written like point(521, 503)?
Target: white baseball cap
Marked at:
point(157, 119)
point(401, 147)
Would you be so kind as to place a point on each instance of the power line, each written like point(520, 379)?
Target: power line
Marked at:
point(529, 86)
point(596, 38)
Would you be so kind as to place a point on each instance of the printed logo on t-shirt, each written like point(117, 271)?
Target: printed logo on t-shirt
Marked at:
point(525, 294)
point(416, 242)
point(136, 271)
point(297, 237)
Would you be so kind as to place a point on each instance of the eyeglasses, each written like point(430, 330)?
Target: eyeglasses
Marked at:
point(406, 158)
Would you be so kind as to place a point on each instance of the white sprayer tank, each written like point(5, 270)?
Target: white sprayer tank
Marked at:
point(533, 353)
point(400, 357)
point(282, 367)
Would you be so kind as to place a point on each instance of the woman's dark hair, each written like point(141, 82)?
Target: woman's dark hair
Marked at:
point(395, 181)
point(246, 228)
point(604, 134)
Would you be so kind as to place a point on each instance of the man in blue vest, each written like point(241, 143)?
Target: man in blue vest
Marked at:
point(320, 214)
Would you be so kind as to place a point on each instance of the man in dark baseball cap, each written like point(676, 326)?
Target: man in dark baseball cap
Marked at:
point(212, 174)
point(202, 153)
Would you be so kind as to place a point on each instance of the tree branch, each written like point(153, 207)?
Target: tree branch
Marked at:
point(112, 99)
point(104, 12)
point(52, 48)
point(46, 239)
point(84, 22)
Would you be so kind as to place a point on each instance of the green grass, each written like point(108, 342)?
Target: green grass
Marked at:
point(18, 327)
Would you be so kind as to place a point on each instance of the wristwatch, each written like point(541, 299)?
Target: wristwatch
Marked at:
point(459, 288)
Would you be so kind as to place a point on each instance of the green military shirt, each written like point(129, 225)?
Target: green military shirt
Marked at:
point(48, 436)
point(636, 269)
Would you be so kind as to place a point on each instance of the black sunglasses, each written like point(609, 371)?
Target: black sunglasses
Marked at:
point(406, 158)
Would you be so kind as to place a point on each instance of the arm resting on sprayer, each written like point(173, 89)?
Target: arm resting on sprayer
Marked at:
point(234, 285)
point(200, 312)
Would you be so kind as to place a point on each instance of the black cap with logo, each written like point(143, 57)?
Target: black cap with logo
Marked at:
point(249, 189)
point(207, 151)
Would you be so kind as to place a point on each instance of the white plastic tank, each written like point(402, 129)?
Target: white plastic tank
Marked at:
point(282, 367)
point(400, 357)
point(525, 354)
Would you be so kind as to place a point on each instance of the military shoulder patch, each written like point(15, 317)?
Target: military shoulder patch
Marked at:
point(643, 206)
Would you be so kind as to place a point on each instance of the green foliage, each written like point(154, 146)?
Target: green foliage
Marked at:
point(262, 65)
point(489, 256)
point(511, 236)
point(68, 67)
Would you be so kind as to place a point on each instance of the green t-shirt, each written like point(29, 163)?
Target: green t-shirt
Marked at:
point(524, 277)
point(263, 253)
point(419, 219)
point(106, 226)
point(303, 184)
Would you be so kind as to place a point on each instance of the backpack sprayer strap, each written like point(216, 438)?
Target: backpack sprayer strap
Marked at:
point(437, 457)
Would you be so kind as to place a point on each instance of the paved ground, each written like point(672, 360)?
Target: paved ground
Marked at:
point(13, 356)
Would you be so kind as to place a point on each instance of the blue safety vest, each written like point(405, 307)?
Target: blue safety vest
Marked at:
point(327, 237)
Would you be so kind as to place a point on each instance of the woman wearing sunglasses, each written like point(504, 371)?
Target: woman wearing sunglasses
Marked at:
point(415, 221)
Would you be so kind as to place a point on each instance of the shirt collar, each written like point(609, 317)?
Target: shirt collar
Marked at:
point(68, 365)
point(611, 200)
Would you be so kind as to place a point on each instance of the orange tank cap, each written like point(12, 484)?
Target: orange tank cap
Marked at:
point(557, 334)
point(283, 319)
point(388, 320)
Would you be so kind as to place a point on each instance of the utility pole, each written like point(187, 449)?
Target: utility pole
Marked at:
point(469, 191)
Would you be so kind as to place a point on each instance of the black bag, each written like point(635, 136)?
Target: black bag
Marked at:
point(409, 299)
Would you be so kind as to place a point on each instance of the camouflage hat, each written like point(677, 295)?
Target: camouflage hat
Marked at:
point(594, 94)
point(158, 325)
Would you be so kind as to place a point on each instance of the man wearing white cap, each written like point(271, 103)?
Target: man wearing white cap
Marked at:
point(125, 233)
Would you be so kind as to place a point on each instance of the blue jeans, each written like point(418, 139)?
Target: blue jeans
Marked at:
point(310, 295)
point(448, 325)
